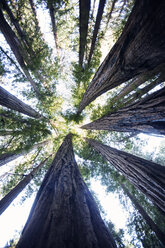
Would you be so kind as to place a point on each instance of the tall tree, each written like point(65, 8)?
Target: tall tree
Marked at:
point(64, 213)
point(146, 115)
point(96, 28)
point(145, 175)
point(84, 9)
point(10, 101)
point(17, 49)
point(139, 49)
point(10, 156)
point(147, 218)
point(7, 199)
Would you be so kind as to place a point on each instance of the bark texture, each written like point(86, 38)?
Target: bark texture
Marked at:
point(145, 175)
point(139, 49)
point(64, 214)
point(10, 101)
point(160, 235)
point(96, 28)
point(7, 199)
point(146, 116)
point(84, 7)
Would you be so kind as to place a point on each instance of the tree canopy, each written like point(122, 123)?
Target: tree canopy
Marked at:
point(105, 58)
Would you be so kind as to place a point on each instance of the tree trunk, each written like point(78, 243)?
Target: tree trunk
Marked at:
point(139, 49)
point(96, 28)
point(16, 48)
point(145, 175)
point(110, 13)
point(35, 14)
point(64, 214)
point(7, 199)
point(54, 26)
point(84, 8)
point(10, 101)
point(10, 156)
point(146, 116)
point(160, 235)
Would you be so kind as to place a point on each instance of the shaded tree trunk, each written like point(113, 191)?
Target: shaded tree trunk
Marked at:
point(64, 213)
point(146, 116)
point(16, 48)
point(139, 49)
point(96, 28)
point(84, 9)
point(110, 13)
point(7, 199)
point(10, 101)
point(10, 156)
point(160, 235)
point(54, 26)
point(145, 175)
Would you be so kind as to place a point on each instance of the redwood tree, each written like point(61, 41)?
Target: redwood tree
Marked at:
point(7, 199)
point(146, 115)
point(10, 101)
point(64, 213)
point(160, 235)
point(139, 49)
point(145, 175)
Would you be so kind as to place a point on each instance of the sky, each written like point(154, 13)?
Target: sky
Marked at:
point(15, 216)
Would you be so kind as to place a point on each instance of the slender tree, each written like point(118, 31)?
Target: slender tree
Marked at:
point(145, 175)
point(139, 49)
point(146, 115)
point(9, 198)
point(10, 101)
point(96, 28)
point(17, 49)
point(10, 156)
point(53, 22)
point(160, 235)
point(64, 213)
point(84, 9)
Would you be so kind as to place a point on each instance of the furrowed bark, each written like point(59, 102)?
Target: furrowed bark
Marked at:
point(139, 49)
point(146, 116)
point(9, 198)
point(145, 175)
point(10, 101)
point(10, 156)
point(84, 9)
point(16, 48)
point(160, 235)
point(96, 28)
point(64, 213)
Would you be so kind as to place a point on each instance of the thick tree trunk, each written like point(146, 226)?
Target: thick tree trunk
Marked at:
point(160, 235)
point(139, 49)
point(84, 9)
point(7, 199)
point(64, 214)
point(10, 101)
point(146, 116)
point(16, 48)
point(96, 28)
point(145, 175)
point(10, 156)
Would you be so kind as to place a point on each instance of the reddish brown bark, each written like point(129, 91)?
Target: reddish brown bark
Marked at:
point(139, 49)
point(146, 116)
point(64, 213)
